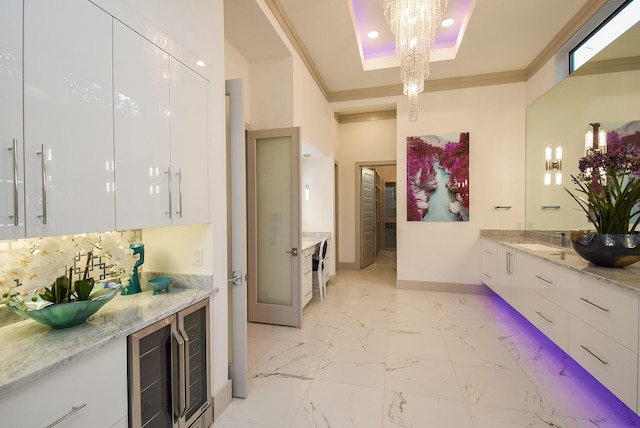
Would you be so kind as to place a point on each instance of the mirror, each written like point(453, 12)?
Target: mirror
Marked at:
point(605, 90)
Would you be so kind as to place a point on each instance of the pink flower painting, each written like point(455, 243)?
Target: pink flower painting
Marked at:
point(438, 177)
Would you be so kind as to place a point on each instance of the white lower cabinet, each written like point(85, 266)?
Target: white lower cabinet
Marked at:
point(489, 263)
point(88, 392)
point(615, 366)
point(307, 274)
point(595, 322)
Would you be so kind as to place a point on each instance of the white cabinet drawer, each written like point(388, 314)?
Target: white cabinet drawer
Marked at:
point(610, 309)
point(489, 263)
point(95, 384)
point(615, 366)
point(550, 318)
point(554, 282)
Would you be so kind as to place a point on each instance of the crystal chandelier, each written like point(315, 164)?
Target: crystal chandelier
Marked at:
point(414, 24)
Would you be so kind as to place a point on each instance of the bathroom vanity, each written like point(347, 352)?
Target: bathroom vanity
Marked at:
point(590, 312)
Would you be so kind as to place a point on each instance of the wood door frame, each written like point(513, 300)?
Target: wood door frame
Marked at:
point(358, 210)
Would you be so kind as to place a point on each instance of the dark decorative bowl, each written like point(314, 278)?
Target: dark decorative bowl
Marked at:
point(608, 250)
point(63, 315)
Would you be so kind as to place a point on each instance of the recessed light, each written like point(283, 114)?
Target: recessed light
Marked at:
point(448, 22)
point(200, 63)
point(373, 34)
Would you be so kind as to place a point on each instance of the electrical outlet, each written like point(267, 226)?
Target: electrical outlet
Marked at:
point(197, 256)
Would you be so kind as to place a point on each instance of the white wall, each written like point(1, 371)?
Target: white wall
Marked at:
point(435, 252)
point(358, 142)
point(237, 67)
point(271, 89)
point(495, 118)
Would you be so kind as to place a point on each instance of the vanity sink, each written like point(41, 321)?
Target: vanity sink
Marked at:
point(537, 247)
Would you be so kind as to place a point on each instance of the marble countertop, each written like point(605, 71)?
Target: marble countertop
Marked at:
point(31, 350)
point(628, 277)
point(308, 242)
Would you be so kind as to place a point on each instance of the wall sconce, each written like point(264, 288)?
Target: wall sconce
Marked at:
point(595, 139)
point(306, 192)
point(552, 164)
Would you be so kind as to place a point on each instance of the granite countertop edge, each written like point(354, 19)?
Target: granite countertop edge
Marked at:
point(32, 350)
point(627, 277)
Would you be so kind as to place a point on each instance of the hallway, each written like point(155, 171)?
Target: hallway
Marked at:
point(374, 356)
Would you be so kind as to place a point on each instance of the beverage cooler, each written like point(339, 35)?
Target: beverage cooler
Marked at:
point(169, 372)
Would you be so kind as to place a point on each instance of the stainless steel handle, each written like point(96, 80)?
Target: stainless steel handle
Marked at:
point(43, 163)
point(606, 363)
point(488, 252)
point(170, 212)
point(293, 252)
point(602, 308)
point(502, 207)
point(74, 410)
point(544, 318)
point(550, 207)
point(236, 279)
point(15, 181)
point(544, 279)
point(179, 174)
point(177, 376)
point(187, 370)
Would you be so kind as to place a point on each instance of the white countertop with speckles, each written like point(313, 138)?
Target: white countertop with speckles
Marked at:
point(628, 276)
point(31, 350)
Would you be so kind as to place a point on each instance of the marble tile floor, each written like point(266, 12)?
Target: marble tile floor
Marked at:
point(371, 356)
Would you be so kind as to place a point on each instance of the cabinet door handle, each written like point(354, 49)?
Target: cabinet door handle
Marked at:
point(74, 410)
point(179, 175)
point(487, 251)
point(43, 164)
point(594, 304)
point(606, 363)
point(14, 148)
point(170, 212)
point(177, 375)
point(544, 279)
point(187, 369)
point(544, 318)
point(487, 275)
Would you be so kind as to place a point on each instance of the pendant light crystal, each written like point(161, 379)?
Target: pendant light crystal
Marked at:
point(414, 24)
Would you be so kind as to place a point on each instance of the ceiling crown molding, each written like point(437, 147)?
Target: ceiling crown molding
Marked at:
point(581, 18)
point(278, 12)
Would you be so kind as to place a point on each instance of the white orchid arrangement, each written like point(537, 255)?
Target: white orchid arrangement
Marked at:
point(44, 266)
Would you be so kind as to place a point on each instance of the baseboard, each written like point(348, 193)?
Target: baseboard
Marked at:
point(445, 287)
point(221, 400)
point(349, 266)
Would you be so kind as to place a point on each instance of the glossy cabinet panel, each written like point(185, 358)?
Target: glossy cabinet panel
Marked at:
point(88, 392)
point(68, 118)
point(11, 141)
point(189, 153)
point(141, 130)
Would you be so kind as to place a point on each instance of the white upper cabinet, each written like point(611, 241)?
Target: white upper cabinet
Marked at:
point(189, 158)
point(11, 142)
point(68, 118)
point(142, 130)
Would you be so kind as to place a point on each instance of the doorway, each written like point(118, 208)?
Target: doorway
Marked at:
point(375, 211)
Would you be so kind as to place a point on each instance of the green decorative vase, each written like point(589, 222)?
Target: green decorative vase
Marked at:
point(62, 315)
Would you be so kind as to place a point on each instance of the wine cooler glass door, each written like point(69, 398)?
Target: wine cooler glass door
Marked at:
point(150, 375)
point(193, 325)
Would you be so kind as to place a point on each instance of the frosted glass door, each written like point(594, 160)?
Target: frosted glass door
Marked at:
point(274, 263)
